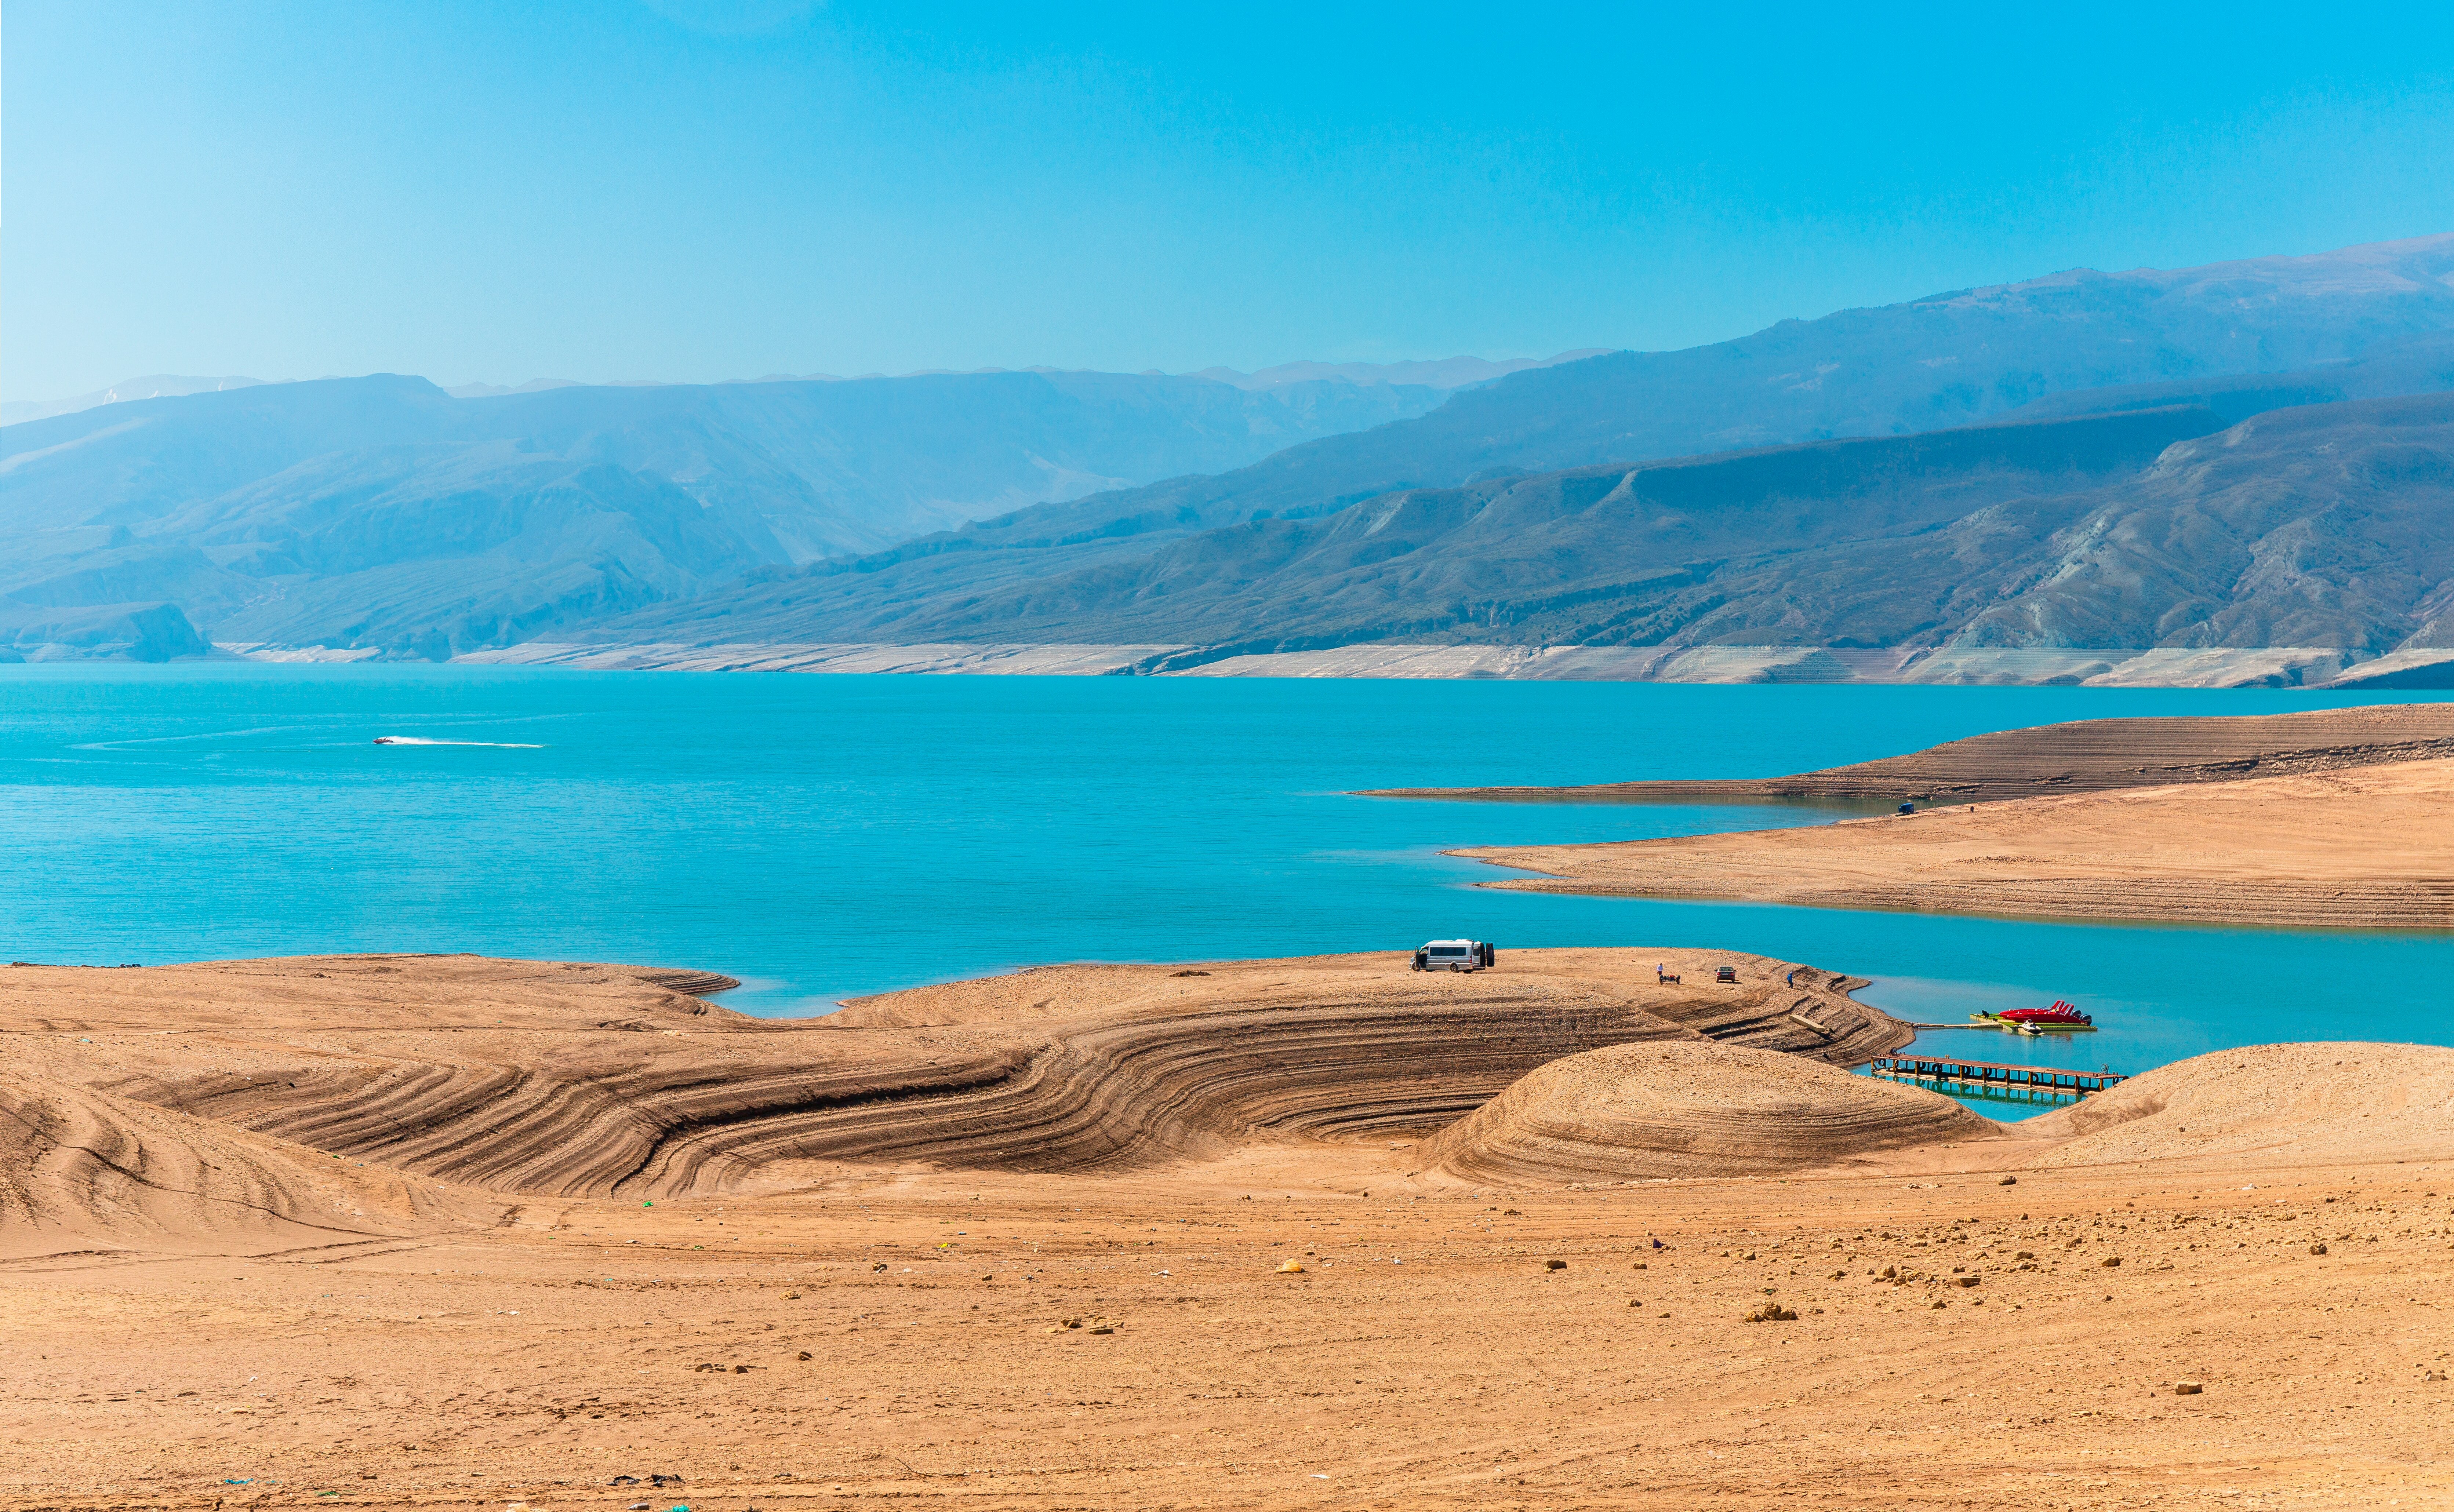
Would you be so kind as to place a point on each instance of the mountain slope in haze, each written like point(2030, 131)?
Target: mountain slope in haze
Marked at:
point(1928, 365)
point(381, 512)
point(2315, 527)
point(150, 386)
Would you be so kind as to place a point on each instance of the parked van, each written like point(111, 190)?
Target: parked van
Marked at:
point(1455, 955)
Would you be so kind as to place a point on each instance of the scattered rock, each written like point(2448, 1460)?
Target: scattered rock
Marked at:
point(1555, 1265)
point(1770, 1312)
point(1188, 973)
point(1967, 1280)
point(1290, 1268)
point(1104, 1328)
point(2008, 1181)
point(2188, 1388)
point(2110, 1261)
point(805, 1354)
point(2319, 1249)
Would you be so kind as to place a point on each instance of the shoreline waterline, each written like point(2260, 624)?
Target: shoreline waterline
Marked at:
point(826, 838)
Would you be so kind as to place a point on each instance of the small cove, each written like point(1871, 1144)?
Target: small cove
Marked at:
point(826, 837)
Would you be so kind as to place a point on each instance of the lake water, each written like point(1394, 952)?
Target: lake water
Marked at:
point(825, 837)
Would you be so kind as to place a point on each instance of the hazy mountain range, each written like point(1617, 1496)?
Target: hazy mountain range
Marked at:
point(150, 386)
point(2126, 499)
point(382, 511)
point(1443, 372)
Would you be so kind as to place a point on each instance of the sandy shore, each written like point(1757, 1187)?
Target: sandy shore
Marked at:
point(2087, 756)
point(2363, 848)
point(451, 1232)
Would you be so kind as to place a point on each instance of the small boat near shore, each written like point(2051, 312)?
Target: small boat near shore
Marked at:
point(2062, 1017)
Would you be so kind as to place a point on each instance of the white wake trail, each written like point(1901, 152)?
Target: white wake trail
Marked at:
point(421, 740)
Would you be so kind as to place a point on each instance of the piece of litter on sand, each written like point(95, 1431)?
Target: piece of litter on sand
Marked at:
point(1320, 1478)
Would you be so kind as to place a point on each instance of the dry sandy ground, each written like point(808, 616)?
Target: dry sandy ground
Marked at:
point(2366, 848)
point(787, 1331)
point(2095, 755)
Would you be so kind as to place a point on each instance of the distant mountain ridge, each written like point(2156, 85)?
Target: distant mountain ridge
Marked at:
point(150, 386)
point(1443, 373)
point(2320, 526)
point(2373, 319)
point(383, 515)
point(378, 511)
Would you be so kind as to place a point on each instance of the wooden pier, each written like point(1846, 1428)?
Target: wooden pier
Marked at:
point(2031, 1082)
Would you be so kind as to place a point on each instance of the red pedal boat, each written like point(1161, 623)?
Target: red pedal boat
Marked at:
point(2061, 1015)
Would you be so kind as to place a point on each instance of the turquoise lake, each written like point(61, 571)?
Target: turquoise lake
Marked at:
point(826, 837)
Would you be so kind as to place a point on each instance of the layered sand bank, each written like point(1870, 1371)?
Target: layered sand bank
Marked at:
point(2364, 848)
point(371, 1231)
point(2086, 756)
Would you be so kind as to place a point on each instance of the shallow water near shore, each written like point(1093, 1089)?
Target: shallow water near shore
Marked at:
point(826, 837)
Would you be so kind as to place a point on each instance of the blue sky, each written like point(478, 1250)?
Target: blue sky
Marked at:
point(691, 189)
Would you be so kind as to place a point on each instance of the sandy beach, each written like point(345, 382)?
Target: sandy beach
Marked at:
point(2364, 847)
point(444, 1232)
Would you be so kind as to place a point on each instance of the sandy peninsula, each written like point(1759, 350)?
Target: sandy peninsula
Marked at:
point(2365, 847)
point(2097, 755)
point(452, 1232)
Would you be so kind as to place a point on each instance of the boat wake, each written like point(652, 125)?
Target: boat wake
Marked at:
point(421, 740)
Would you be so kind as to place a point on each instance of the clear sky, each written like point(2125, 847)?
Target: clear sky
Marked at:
point(694, 189)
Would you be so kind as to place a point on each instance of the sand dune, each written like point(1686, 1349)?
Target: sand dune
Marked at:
point(1685, 1109)
point(2087, 756)
point(84, 1172)
point(2361, 848)
point(2283, 1104)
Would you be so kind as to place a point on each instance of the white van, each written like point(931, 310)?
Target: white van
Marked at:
point(1455, 955)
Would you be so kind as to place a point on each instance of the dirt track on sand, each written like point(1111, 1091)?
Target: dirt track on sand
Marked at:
point(2095, 755)
point(879, 1330)
point(2364, 848)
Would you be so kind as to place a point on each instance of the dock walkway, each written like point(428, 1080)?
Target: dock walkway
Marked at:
point(1993, 1077)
